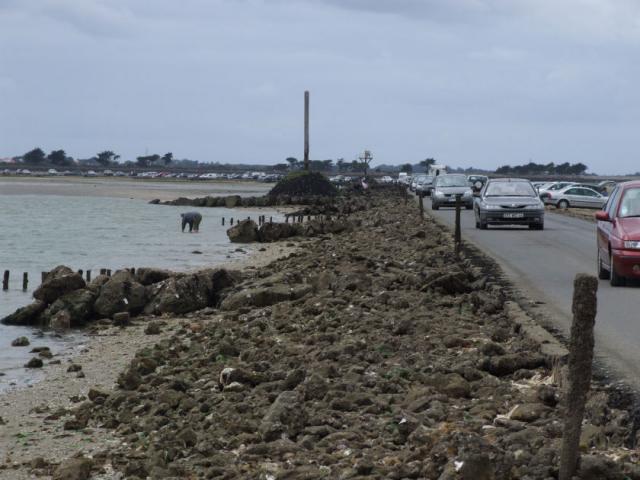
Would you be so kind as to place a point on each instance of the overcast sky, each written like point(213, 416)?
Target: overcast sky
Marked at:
point(469, 82)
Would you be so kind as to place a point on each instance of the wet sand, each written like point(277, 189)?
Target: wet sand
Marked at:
point(146, 189)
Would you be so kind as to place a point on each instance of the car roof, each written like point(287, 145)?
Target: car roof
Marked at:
point(508, 180)
point(630, 184)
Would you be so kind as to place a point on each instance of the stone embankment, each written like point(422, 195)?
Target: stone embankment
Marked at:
point(372, 354)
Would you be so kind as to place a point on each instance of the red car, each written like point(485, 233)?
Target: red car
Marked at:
point(619, 235)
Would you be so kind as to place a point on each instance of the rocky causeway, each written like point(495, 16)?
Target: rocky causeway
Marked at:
point(371, 351)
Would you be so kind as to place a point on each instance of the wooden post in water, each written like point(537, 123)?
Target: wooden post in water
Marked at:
point(223, 221)
point(43, 275)
point(231, 222)
point(585, 306)
point(5, 280)
point(103, 271)
point(25, 281)
point(80, 272)
point(108, 272)
point(88, 276)
point(458, 233)
point(306, 130)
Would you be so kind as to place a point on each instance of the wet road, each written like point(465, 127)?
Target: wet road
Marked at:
point(543, 265)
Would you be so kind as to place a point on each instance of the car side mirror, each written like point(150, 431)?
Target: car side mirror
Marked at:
point(603, 216)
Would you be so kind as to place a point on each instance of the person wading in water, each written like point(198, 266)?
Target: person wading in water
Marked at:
point(192, 219)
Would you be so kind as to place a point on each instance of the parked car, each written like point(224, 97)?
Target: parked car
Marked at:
point(618, 232)
point(52, 172)
point(575, 196)
point(414, 182)
point(90, 173)
point(552, 187)
point(509, 201)
point(446, 187)
point(424, 185)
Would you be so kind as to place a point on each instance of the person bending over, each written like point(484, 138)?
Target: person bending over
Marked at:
point(192, 219)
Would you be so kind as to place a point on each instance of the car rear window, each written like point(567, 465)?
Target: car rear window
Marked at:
point(451, 181)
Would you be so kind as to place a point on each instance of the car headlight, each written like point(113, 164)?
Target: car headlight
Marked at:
point(439, 193)
point(490, 206)
point(632, 244)
point(533, 207)
point(468, 193)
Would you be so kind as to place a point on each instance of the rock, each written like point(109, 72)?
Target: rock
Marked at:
point(152, 328)
point(28, 315)
point(188, 293)
point(96, 284)
point(595, 467)
point(122, 293)
point(286, 417)
point(149, 276)
point(528, 412)
point(510, 363)
point(476, 467)
point(78, 305)
point(187, 437)
point(271, 232)
point(451, 384)
point(121, 319)
point(20, 342)
point(74, 368)
point(245, 231)
point(59, 281)
point(265, 296)
point(232, 201)
point(60, 321)
point(35, 362)
point(130, 379)
point(94, 394)
point(293, 379)
point(74, 469)
point(315, 388)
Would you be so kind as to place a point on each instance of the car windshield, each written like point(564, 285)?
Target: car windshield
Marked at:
point(451, 181)
point(630, 204)
point(510, 189)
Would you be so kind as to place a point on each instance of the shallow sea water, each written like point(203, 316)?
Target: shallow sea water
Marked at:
point(39, 232)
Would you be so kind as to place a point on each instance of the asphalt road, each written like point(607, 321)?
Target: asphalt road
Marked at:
point(543, 265)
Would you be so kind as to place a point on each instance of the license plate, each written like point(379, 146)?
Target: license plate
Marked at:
point(451, 199)
point(513, 215)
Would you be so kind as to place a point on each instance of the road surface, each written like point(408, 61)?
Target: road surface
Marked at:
point(543, 265)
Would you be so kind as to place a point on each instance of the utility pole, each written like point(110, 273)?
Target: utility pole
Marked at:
point(306, 130)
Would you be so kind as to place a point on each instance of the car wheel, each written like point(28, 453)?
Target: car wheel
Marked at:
point(615, 279)
point(603, 273)
point(563, 204)
point(469, 207)
point(483, 225)
point(434, 206)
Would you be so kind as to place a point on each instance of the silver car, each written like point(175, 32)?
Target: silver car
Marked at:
point(509, 201)
point(575, 196)
point(446, 187)
point(424, 185)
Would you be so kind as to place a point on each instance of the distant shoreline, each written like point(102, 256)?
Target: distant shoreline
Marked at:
point(128, 188)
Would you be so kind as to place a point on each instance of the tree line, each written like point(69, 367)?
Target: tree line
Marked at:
point(105, 158)
point(532, 168)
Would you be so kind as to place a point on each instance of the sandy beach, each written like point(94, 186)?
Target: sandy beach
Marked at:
point(146, 189)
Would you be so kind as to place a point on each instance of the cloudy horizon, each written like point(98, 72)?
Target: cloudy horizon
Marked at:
point(477, 83)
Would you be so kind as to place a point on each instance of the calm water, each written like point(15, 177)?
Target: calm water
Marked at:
point(39, 232)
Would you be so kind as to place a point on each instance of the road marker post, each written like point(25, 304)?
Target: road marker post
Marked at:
point(458, 234)
point(585, 306)
point(420, 198)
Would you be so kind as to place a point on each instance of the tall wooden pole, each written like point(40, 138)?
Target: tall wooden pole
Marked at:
point(306, 130)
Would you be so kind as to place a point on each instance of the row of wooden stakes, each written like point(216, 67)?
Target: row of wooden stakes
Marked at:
point(25, 277)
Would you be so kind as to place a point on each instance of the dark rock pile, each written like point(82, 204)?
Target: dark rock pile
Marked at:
point(248, 231)
point(234, 201)
point(64, 300)
point(304, 184)
point(373, 355)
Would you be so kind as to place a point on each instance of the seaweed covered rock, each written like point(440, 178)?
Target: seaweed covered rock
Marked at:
point(303, 184)
point(122, 293)
point(59, 281)
point(245, 231)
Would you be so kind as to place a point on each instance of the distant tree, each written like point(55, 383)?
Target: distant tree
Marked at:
point(427, 162)
point(147, 160)
point(341, 165)
point(106, 158)
point(327, 165)
point(34, 157)
point(407, 167)
point(280, 167)
point(365, 160)
point(293, 162)
point(167, 158)
point(58, 157)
